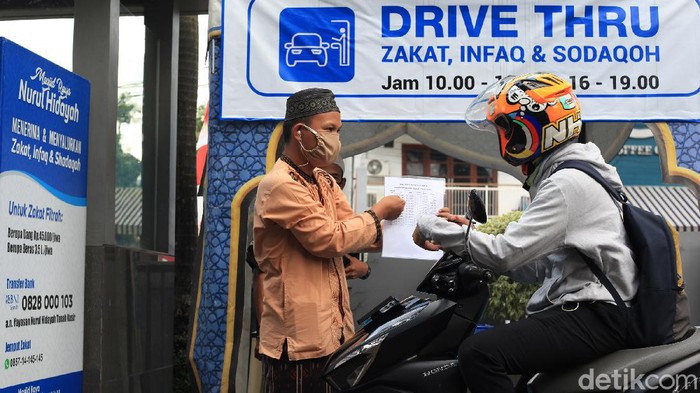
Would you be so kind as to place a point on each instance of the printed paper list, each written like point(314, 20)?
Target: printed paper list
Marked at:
point(423, 195)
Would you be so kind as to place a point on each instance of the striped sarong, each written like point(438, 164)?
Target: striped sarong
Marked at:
point(287, 376)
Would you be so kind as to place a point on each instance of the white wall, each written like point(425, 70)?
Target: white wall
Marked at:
point(510, 193)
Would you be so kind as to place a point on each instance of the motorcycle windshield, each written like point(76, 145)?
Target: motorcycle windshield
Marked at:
point(448, 262)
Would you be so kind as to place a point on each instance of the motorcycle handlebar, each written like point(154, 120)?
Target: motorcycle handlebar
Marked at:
point(475, 272)
point(455, 275)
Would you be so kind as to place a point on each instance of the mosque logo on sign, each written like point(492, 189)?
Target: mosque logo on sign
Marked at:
point(317, 44)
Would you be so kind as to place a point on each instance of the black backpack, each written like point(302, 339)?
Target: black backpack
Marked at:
point(659, 313)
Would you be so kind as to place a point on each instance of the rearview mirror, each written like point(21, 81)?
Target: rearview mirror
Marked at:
point(475, 208)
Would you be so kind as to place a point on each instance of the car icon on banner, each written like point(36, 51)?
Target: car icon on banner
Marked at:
point(317, 44)
point(307, 48)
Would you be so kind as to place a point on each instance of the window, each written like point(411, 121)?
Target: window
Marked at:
point(420, 160)
point(371, 199)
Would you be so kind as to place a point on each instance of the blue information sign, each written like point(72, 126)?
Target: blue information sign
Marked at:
point(44, 112)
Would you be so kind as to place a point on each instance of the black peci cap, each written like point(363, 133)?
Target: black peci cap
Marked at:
point(309, 102)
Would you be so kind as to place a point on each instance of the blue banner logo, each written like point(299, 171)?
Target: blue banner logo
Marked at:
point(317, 44)
point(44, 113)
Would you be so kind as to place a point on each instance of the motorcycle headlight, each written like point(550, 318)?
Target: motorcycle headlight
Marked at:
point(355, 364)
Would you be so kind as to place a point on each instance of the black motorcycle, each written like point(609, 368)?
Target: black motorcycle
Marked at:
point(410, 346)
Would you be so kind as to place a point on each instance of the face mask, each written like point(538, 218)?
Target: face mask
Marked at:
point(327, 147)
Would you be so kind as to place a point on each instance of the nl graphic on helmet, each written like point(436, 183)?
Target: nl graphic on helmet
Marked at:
point(531, 114)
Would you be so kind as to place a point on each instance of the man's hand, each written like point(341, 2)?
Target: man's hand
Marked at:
point(389, 207)
point(423, 242)
point(356, 268)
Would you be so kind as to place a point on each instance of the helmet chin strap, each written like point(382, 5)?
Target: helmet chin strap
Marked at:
point(525, 168)
point(529, 167)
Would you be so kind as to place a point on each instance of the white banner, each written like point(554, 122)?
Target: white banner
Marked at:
point(425, 61)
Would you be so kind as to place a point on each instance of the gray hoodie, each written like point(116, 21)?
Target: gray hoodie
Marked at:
point(569, 211)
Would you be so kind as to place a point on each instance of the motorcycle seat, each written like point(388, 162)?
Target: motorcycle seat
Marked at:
point(639, 361)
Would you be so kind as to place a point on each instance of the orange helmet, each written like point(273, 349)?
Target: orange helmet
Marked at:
point(531, 114)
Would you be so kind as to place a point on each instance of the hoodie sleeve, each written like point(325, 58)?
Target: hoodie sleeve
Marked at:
point(540, 231)
point(451, 236)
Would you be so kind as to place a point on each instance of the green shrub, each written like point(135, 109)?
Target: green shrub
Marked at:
point(508, 298)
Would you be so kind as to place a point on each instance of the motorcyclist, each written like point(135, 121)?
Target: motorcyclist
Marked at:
point(572, 318)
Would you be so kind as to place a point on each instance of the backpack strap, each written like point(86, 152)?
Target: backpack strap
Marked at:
point(604, 280)
point(588, 169)
point(617, 195)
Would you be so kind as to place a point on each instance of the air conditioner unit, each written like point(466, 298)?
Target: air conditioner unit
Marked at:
point(377, 168)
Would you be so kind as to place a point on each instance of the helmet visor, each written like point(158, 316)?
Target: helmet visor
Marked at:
point(478, 110)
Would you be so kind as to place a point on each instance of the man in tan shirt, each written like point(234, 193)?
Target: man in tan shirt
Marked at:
point(354, 267)
point(302, 226)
